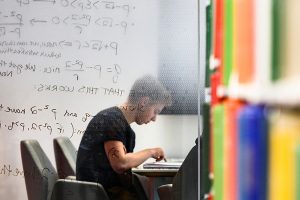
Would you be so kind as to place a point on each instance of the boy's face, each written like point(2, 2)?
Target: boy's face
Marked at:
point(148, 113)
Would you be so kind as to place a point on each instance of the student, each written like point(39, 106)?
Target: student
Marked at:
point(105, 153)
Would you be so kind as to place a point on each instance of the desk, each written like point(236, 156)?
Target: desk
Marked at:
point(157, 177)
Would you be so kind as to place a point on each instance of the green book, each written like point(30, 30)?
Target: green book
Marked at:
point(277, 19)
point(228, 41)
point(218, 151)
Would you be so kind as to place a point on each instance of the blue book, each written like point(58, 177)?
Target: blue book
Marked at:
point(252, 153)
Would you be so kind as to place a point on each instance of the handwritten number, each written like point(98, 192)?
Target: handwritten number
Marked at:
point(23, 126)
point(49, 129)
point(33, 110)
point(34, 126)
point(54, 112)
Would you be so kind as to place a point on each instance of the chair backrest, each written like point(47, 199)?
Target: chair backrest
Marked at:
point(65, 157)
point(185, 182)
point(141, 184)
point(67, 189)
point(40, 175)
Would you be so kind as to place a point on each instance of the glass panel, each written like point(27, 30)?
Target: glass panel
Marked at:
point(62, 62)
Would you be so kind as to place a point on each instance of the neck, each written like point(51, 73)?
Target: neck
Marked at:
point(129, 111)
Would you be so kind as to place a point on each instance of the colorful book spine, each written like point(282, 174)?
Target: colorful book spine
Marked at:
point(290, 39)
point(215, 83)
point(231, 107)
point(218, 32)
point(262, 42)
point(226, 69)
point(277, 23)
point(244, 35)
point(217, 49)
point(252, 153)
point(218, 151)
point(298, 171)
point(284, 138)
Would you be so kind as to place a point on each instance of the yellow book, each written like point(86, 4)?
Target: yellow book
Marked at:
point(284, 137)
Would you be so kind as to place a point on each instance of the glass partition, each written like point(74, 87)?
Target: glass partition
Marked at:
point(62, 62)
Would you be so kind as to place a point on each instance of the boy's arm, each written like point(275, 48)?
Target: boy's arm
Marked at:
point(121, 161)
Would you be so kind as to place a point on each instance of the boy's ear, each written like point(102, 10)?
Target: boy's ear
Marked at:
point(144, 101)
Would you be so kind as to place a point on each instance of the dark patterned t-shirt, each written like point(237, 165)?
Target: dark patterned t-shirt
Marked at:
point(92, 163)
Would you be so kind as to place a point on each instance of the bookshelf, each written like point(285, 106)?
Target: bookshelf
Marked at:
point(254, 72)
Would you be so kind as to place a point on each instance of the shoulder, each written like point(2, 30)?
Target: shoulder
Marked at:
point(108, 119)
point(107, 114)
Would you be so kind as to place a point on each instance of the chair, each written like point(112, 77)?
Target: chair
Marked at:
point(69, 189)
point(40, 175)
point(185, 182)
point(42, 181)
point(65, 157)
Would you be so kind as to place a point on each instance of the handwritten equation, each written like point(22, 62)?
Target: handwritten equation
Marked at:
point(36, 127)
point(10, 23)
point(84, 5)
point(45, 109)
point(76, 67)
point(45, 128)
point(45, 120)
point(94, 45)
point(13, 21)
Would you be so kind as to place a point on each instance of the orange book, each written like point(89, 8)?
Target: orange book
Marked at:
point(244, 40)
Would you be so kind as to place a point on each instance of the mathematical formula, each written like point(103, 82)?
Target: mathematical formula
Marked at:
point(51, 127)
point(76, 68)
point(13, 21)
point(45, 128)
point(83, 5)
point(94, 45)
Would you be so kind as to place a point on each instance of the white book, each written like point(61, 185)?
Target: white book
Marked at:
point(162, 165)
